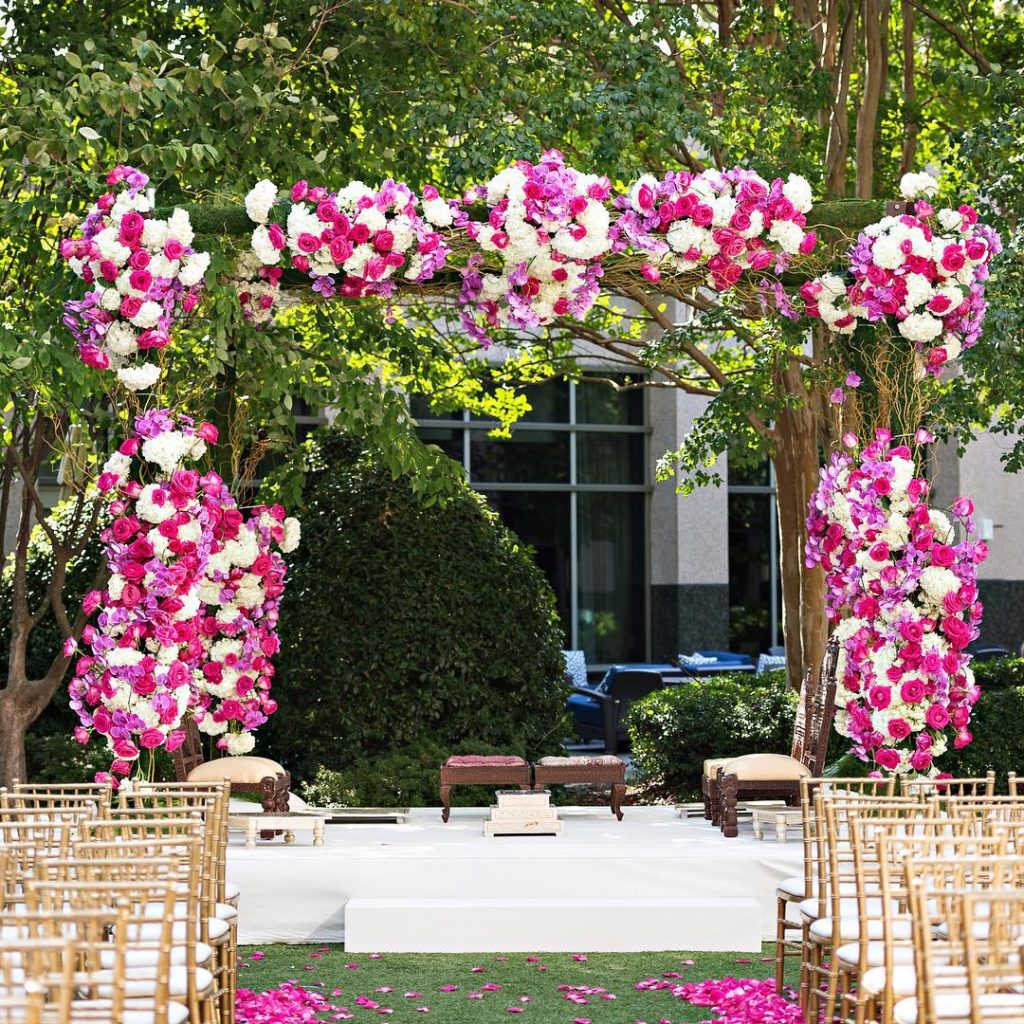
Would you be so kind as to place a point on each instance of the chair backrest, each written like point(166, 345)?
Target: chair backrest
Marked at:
point(815, 712)
point(575, 667)
point(190, 754)
point(635, 683)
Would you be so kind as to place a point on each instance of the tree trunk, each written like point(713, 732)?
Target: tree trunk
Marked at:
point(796, 476)
point(19, 708)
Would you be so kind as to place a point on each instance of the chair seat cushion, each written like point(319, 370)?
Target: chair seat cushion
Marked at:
point(955, 1008)
point(139, 1012)
point(712, 764)
point(482, 761)
point(598, 761)
point(245, 768)
point(792, 888)
point(904, 981)
point(765, 768)
point(849, 954)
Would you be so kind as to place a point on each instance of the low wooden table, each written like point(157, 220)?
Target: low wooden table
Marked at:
point(481, 770)
point(287, 822)
point(782, 817)
point(600, 770)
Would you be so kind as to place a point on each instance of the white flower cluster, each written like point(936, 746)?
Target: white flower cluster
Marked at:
point(260, 201)
point(171, 448)
point(914, 185)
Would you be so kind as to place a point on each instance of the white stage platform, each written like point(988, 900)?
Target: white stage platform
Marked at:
point(652, 881)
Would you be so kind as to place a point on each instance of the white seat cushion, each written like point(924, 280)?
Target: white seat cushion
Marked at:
point(766, 768)
point(712, 764)
point(231, 892)
point(245, 768)
point(596, 761)
point(792, 888)
point(904, 981)
point(849, 954)
point(849, 929)
point(225, 911)
point(148, 957)
point(90, 1009)
point(955, 1008)
point(139, 982)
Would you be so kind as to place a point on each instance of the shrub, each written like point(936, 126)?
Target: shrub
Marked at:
point(674, 730)
point(999, 673)
point(403, 623)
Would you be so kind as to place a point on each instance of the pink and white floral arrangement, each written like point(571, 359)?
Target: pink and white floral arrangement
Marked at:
point(353, 241)
point(923, 273)
point(902, 595)
point(143, 276)
point(150, 656)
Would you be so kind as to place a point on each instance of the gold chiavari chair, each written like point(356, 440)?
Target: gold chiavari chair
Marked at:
point(1011, 783)
point(951, 788)
point(831, 919)
point(967, 944)
point(882, 969)
point(89, 797)
point(212, 802)
point(793, 891)
point(992, 811)
point(122, 938)
point(35, 979)
point(201, 946)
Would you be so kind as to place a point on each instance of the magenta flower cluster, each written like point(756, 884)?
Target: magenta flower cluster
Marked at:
point(143, 276)
point(180, 555)
point(732, 1000)
point(922, 273)
point(901, 591)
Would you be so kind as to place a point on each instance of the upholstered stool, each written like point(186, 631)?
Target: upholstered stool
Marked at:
point(758, 777)
point(603, 770)
point(481, 770)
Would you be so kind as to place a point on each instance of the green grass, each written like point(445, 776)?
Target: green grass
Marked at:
point(324, 969)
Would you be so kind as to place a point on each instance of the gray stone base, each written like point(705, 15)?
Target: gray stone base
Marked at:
point(688, 616)
point(1003, 621)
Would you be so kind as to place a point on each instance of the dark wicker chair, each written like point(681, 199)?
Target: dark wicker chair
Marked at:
point(481, 770)
point(775, 776)
point(624, 688)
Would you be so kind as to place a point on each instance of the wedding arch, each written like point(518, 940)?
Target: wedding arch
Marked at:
point(185, 624)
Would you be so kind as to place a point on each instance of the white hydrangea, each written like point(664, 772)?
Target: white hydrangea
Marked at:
point(292, 534)
point(724, 207)
point(209, 726)
point(353, 192)
point(937, 582)
point(260, 200)
point(119, 465)
point(787, 234)
point(950, 220)
point(139, 378)
point(124, 656)
point(920, 184)
point(180, 227)
point(115, 586)
point(952, 346)
point(225, 646)
point(264, 249)
point(438, 212)
point(902, 475)
point(110, 299)
point(798, 191)
point(920, 327)
point(161, 266)
point(595, 242)
point(194, 268)
point(150, 510)
point(154, 234)
point(239, 743)
point(148, 315)
point(167, 450)
point(919, 290)
point(887, 253)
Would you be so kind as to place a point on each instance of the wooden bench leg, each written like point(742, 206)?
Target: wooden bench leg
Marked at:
point(728, 788)
point(446, 801)
point(618, 792)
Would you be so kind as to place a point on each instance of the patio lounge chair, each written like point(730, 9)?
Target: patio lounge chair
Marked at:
point(612, 702)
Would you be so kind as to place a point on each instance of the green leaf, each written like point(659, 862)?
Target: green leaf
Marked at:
point(88, 133)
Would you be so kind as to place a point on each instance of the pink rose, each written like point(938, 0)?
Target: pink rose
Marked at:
point(108, 270)
point(880, 697)
point(151, 739)
point(937, 717)
point(957, 631)
point(140, 280)
point(299, 190)
point(208, 432)
point(899, 729)
point(308, 243)
point(912, 691)
point(276, 235)
point(130, 306)
point(887, 758)
point(173, 249)
point(139, 259)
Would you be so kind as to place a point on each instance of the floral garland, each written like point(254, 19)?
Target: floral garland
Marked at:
point(902, 593)
point(538, 253)
point(144, 276)
point(922, 273)
point(353, 241)
point(147, 658)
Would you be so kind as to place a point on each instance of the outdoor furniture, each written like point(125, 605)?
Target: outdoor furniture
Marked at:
point(780, 817)
point(709, 663)
point(775, 776)
point(575, 668)
point(604, 713)
point(288, 823)
point(480, 770)
point(605, 770)
point(247, 774)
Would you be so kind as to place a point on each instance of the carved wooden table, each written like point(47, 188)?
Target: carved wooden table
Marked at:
point(288, 823)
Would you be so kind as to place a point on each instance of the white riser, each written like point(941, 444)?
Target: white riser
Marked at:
point(550, 925)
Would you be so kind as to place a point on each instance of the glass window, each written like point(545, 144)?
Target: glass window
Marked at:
point(451, 440)
point(609, 458)
point(752, 574)
point(612, 610)
point(528, 457)
point(541, 520)
point(600, 403)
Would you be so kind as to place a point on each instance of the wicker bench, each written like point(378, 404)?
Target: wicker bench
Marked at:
point(603, 770)
point(478, 770)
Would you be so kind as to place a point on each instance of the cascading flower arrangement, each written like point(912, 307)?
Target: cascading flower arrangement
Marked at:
point(902, 593)
point(725, 222)
point(143, 276)
point(146, 658)
point(922, 273)
point(353, 241)
point(241, 592)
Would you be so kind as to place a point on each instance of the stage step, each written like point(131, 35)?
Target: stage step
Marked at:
point(375, 925)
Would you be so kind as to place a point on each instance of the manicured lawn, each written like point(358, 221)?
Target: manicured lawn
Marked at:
point(529, 986)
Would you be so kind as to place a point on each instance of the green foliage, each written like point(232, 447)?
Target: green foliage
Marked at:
point(999, 673)
point(405, 620)
point(57, 757)
point(674, 730)
point(997, 724)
